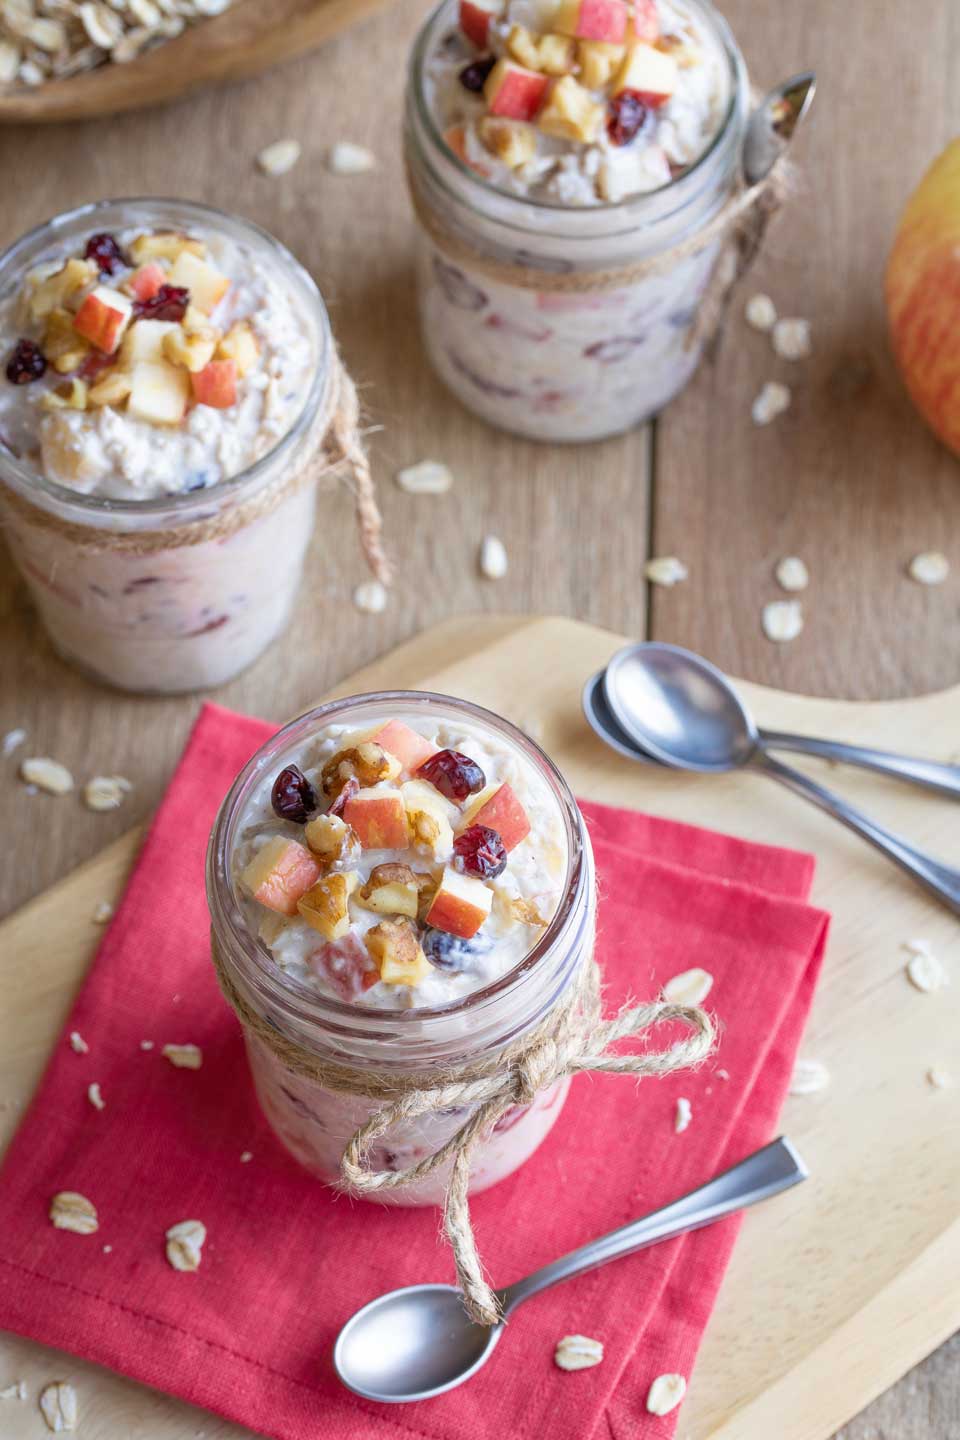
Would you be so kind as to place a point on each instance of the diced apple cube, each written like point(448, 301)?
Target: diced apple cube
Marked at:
point(206, 284)
point(598, 62)
point(650, 73)
point(410, 748)
point(557, 54)
point(522, 46)
point(475, 17)
point(571, 113)
point(593, 20)
point(63, 347)
point(395, 948)
point(514, 92)
point(281, 871)
point(379, 818)
point(512, 141)
point(240, 345)
point(61, 288)
point(646, 21)
point(460, 905)
point(144, 283)
point(429, 817)
point(193, 352)
point(103, 317)
point(164, 245)
point(346, 964)
point(216, 384)
point(326, 905)
point(501, 811)
point(112, 388)
point(159, 392)
point(144, 341)
point(392, 889)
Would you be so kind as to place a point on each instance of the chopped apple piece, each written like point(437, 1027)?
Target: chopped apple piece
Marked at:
point(59, 289)
point(331, 840)
point(514, 92)
point(410, 748)
point(592, 20)
point(281, 871)
point(475, 17)
point(512, 141)
point(557, 54)
point(164, 246)
point(112, 388)
point(500, 810)
point(680, 49)
point(144, 283)
point(598, 62)
point(456, 140)
point(144, 341)
point(429, 816)
point(395, 948)
point(460, 905)
point(240, 345)
point(193, 352)
point(571, 113)
point(391, 890)
point(159, 393)
point(522, 46)
point(650, 73)
point(346, 964)
point(206, 284)
point(103, 317)
point(71, 395)
point(326, 905)
point(646, 21)
point(64, 349)
point(216, 384)
point(379, 818)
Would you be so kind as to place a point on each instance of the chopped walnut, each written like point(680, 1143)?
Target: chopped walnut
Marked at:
point(394, 945)
point(366, 763)
point(391, 890)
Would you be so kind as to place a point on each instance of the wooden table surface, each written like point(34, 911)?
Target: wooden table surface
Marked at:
point(848, 479)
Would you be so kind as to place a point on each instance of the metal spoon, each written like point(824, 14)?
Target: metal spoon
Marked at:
point(771, 126)
point(683, 712)
point(418, 1342)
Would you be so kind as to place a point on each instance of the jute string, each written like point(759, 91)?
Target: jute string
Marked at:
point(574, 1038)
point(331, 448)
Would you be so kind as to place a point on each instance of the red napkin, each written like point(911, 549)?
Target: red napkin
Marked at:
point(286, 1261)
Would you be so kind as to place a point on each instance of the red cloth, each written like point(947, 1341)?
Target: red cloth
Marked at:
point(286, 1261)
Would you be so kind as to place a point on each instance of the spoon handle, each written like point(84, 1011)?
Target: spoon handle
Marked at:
point(765, 1173)
point(941, 880)
point(945, 779)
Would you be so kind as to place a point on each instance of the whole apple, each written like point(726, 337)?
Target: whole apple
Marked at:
point(923, 296)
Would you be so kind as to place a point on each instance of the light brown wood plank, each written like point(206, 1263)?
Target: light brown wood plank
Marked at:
point(849, 479)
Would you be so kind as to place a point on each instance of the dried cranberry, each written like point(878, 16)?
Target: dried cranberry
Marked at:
point(106, 254)
point(26, 363)
point(473, 77)
point(169, 303)
point(451, 953)
point(453, 774)
point(351, 788)
point(293, 797)
point(628, 115)
point(480, 851)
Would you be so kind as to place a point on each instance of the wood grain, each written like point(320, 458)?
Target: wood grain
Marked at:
point(246, 39)
point(864, 1261)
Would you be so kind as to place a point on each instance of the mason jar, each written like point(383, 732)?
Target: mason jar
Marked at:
point(560, 322)
point(315, 1123)
point(184, 591)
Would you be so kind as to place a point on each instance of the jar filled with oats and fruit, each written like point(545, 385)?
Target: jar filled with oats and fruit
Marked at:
point(563, 158)
point(167, 376)
point(400, 884)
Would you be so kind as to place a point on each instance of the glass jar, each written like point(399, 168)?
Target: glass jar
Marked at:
point(132, 591)
point(558, 363)
point(314, 1123)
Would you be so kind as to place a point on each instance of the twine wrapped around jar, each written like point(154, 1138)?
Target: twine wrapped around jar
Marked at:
point(332, 448)
point(574, 1038)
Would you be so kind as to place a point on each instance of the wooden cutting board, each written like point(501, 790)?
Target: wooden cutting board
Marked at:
point(835, 1290)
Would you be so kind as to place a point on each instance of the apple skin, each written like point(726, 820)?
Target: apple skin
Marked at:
point(460, 905)
point(103, 317)
point(923, 297)
point(280, 873)
point(409, 748)
point(380, 819)
point(504, 813)
point(475, 21)
point(646, 22)
point(216, 384)
point(146, 281)
point(513, 92)
point(593, 20)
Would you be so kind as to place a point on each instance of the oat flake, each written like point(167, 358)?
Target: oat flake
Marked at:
point(939, 1079)
point(428, 477)
point(929, 568)
point(792, 574)
point(690, 987)
point(493, 558)
point(773, 401)
point(245, 1157)
point(94, 1096)
point(105, 792)
point(78, 1043)
point(665, 570)
point(58, 1406)
point(791, 339)
point(102, 913)
point(71, 1211)
point(665, 1394)
point(48, 775)
point(808, 1077)
point(578, 1352)
point(782, 621)
point(146, 1044)
point(371, 596)
point(761, 312)
point(279, 158)
point(184, 1243)
point(683, 1115)
point(184, 1057)
point(16, 1391)
point(349, 159)
point(13, 738)
point(926, 973)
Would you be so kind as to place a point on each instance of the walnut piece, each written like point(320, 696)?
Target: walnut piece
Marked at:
point(392, 889)
point(367, 763)
point(332, 840)
point(326, 905)
point(394, 945)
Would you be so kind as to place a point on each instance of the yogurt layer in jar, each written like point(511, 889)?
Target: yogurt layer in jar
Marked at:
point(399, 882)
point(164, 365)
point(558, 153)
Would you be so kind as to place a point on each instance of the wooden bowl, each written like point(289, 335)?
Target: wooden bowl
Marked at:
point(249, 37)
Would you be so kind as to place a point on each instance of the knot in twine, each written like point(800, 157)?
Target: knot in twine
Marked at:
point(573, 1039)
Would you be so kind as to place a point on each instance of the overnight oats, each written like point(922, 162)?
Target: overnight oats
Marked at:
point(165, 371)
point(399, 883)
point(570, 162)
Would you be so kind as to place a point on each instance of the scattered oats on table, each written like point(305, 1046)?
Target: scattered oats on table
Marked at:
point(428, 477)
point(102, 913)
point(809, 1076)
point(11, 741)
point(791, 339)
point(926, 973)
point(184, 1243)
point(72, 1211)
point(245, 1157)
point(939, 1079)
point(345, 158)
point(146, 1044)
point(929, 568)
point(761, 312)
point(58, 1406)
point(493, 558)
point(94, 1096)
point(683, 1116)
point(665, 1394)
point(184, 1057)
point(105, 792)
point(773, 401)
point(577, 1352)
point(46, 774)
point(78, 1043)
point(782, 620)
point(690, 987)
point(371, 597)
point(16, 1391)
point(792, 574)
point(665, 570)
point(280, 157)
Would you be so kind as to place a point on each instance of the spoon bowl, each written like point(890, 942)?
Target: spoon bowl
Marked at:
point(411, 1345)
point(771, 126)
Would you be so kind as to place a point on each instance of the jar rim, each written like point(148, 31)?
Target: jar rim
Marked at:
point(302, 1002)
point(29, 482)
point(632, 203)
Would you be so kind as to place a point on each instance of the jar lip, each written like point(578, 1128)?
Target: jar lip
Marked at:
point(29, 482)
point(633, 203)
point(283, 989)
